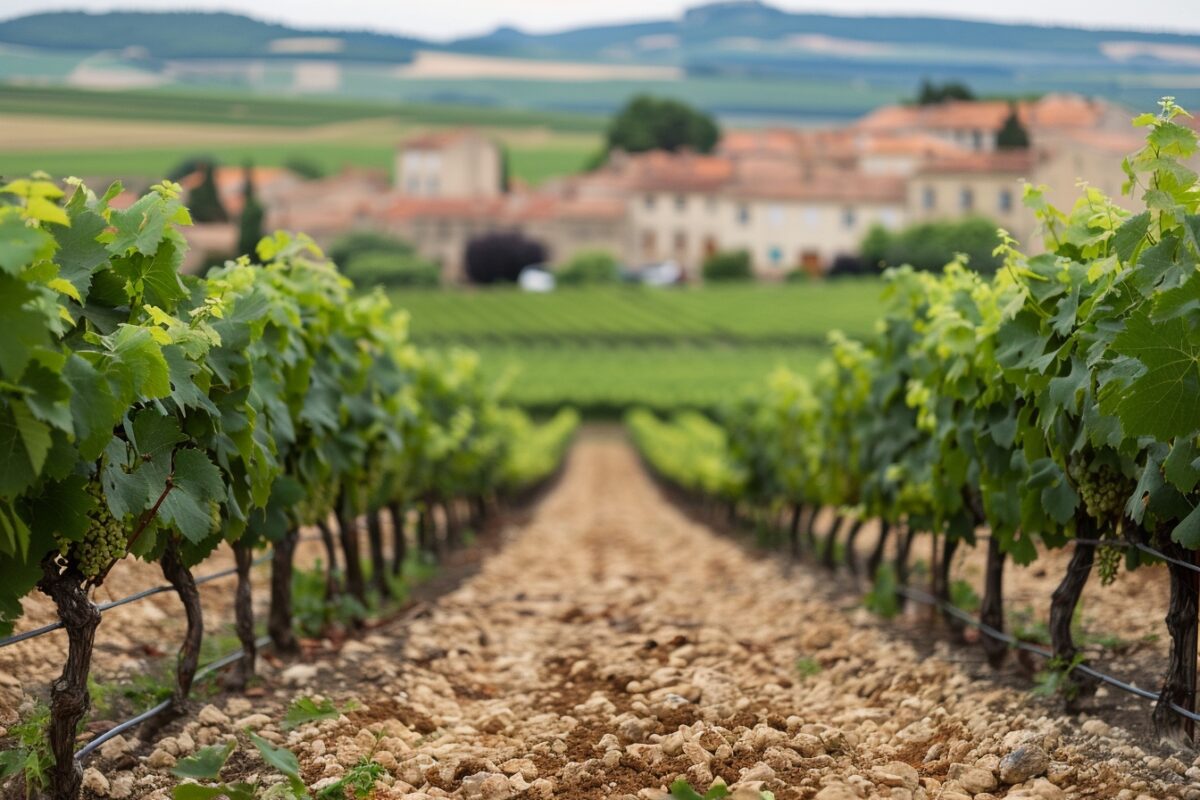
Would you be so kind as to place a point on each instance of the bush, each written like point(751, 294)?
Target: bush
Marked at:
point(589, 267)
point(730, 265)
point(500, 257)
point(932, 245)
point(304, 167)
point(393, 269)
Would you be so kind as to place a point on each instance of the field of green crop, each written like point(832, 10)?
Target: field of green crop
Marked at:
point(605, 349)
point(747, 314)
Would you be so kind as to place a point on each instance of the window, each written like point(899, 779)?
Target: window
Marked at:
point(775, 216)
point(413, 185)
point(812, 217)
point(711, 205)
point(1005, 200)
point(680, 241)
point(648, 201)
point(849, 217)
point(743, 214)
point(649, 244)
point(775, 254)
point(888, 218)
point(966, 199)
point(977, 140)
point(680, 202)
point(928, 198)
point(431, 185)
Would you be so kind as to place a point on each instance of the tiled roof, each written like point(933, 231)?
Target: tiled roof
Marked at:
point(1000, 162)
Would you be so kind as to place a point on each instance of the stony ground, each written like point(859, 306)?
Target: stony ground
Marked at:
point(614, 645)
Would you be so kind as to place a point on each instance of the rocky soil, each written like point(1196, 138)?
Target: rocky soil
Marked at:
point(615, 645)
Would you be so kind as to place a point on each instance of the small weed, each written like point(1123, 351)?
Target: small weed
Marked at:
point(312, 611)
point(207, 763)
point(30, 757)
point(304, 710)
point(962, 595)
point(357, 783)
point(882, 597)
point(807, 667)
point(682, 790)
point(1055, 678)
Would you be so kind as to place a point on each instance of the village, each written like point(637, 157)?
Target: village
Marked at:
point(794, 199)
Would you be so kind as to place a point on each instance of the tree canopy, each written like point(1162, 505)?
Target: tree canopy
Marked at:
point(656, 123)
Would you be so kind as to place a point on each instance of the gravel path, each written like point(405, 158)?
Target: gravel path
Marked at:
point(613, 645)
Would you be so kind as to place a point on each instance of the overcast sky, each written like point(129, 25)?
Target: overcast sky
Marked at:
point(452, 18)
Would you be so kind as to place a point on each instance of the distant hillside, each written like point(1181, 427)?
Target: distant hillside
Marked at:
point(191, 35)
point(742, 59)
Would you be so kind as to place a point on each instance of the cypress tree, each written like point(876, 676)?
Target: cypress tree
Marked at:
point(250, 228)
point(204, 201)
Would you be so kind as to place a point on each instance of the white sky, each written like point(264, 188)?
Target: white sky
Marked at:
point(453, 18)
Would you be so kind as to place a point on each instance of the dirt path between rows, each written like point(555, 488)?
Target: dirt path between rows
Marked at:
point(614, 645)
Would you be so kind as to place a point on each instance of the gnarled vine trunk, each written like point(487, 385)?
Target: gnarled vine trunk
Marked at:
point(991, 609)
point(942, 586)
point(850, 557)
point(356, 584)
point(829, 554)
point(904, 545)
point(181, 579)
point(794, 529)
point(69, 698)
point(1062, 611)
point(379, 566)
point(1180, 684)
point(243, 610)
point(332, 585)
point(279, 621)
point(399, 542)
point(876, 557)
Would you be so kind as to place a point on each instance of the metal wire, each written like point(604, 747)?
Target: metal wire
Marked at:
point(151, 713)
point(142, 595)
point(925, 598)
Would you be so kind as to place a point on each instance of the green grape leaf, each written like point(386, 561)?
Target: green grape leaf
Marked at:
point(140, 227)
point(280, 758)
point(25, 443)
point(153, 434)
point(195, 791)
point(1161, 402)
point(1187, 532)
point(62, 508)
point(142, 360)
point(1181, 301)
point(196, 481)
point(682, 790)
point(206, 764)
point(1130, 234)
point(155, 277)
point(80, 253)
point(1154, 263)
point(20, 244)
point(93, 407)
point(1182, 465)
point(25, 326)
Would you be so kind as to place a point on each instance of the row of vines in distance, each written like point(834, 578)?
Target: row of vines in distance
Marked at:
point(149, 414)
point(1056, 404)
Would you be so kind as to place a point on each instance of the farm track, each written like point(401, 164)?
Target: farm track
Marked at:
point(614, 645)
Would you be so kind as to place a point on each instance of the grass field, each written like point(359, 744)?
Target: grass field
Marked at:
point(606, 349)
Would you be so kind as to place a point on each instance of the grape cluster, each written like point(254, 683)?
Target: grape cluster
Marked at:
point(105, 541)
point(1103, 491)
point(1108, 559)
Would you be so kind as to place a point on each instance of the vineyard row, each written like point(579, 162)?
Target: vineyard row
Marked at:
point(1056, 403)
point(149, 414)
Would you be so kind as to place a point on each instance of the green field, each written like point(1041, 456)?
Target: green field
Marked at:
point(606, 349)
point(146, 134)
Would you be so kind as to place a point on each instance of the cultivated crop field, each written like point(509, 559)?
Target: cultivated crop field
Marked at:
point(146, 134)
point(607, 349)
